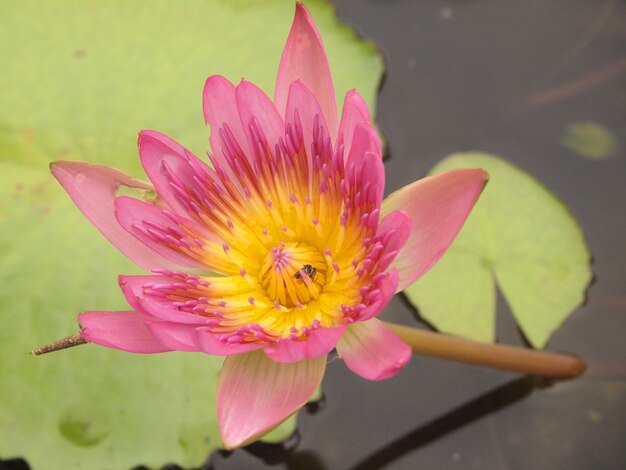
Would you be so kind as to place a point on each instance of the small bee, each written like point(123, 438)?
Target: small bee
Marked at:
point(309, 270)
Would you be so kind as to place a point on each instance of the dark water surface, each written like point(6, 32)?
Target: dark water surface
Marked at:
point(473, 75)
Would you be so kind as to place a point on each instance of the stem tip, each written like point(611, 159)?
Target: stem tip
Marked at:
point(68, 342)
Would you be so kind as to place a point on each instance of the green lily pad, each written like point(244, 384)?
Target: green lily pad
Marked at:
point(79, 80)
point(518, 236)
point(590, 140)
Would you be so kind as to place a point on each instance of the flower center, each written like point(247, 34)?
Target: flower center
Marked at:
point(293, 274)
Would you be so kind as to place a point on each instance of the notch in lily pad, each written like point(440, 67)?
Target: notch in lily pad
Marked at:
point(519, 237)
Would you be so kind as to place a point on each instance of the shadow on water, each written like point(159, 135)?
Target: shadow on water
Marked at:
point(471, 411)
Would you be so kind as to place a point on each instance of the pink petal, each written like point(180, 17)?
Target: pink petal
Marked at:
point(255, 108)
point(387, 287)
point(165, 162)
point(319, 343)
point(220, 109)
point(365, 172)
point(132, 214)
point(372, 350)
point(354, 111)
point(302, 106)
point(210, 343)
point(438, 206)
point(157, 307)
point(132, 287)
point(373, 175)
point(119, 330)
point(176, 336)
point(255, 393)
point(163, 309)
point(364, 139)
point(394, 230)
point(93, 188)
point(304, 59)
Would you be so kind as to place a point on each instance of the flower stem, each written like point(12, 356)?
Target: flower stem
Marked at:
point(64, 343)
point(497, 356)
point(443, 346)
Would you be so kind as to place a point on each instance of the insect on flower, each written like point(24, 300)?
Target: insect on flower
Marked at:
point(307, 269)
point(294, 191)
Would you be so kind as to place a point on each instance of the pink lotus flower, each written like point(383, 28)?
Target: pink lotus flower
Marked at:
point(282, 251)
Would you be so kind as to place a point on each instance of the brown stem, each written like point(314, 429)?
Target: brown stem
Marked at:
point(496, 356)
point(64, 343)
